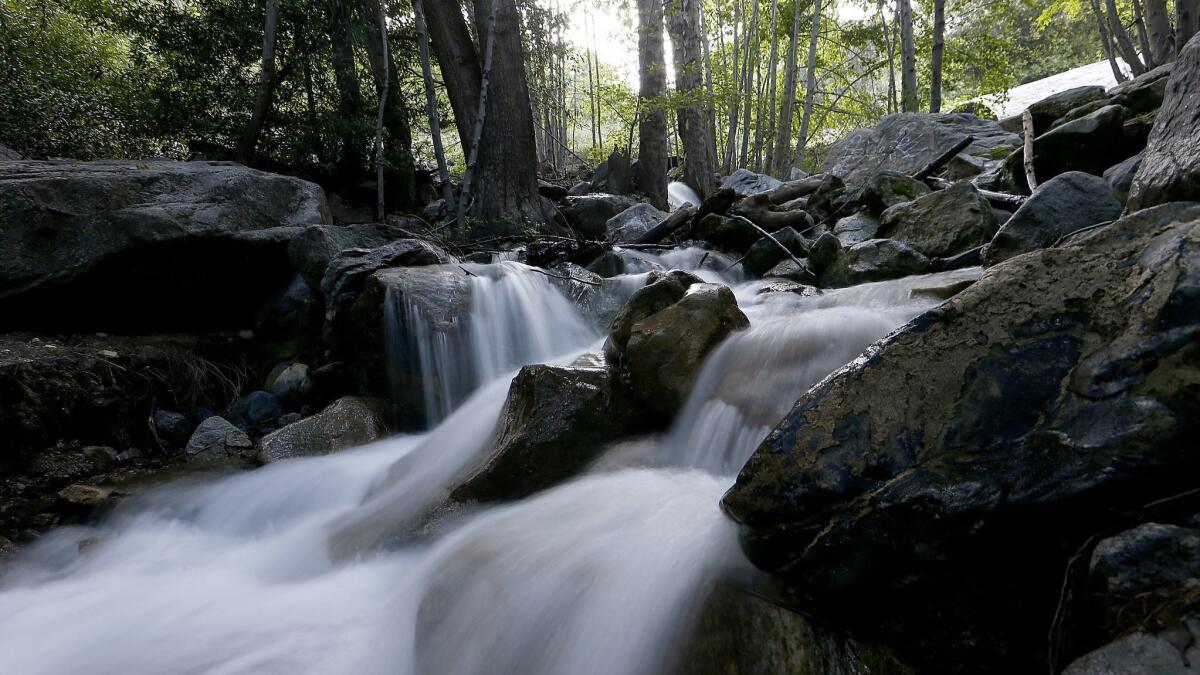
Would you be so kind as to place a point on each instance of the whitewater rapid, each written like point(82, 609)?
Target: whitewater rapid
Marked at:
point(296, 568)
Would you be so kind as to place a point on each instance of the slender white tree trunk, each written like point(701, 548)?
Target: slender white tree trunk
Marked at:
point(810, 85)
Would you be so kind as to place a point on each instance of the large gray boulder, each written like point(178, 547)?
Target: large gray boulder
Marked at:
point(906, 142)
point(1054, 106)
point(556, 420)
point(588, 214)
point(888, 188)
point(629, 225)
point(1065, 203)
point(85, 237)
point(856, 228)
point(1090, 144)
point(942, 223)
point(745, 182)
point(1120, 177)
point(312, 249)
point(998, 431)
point(217, 438)
point(1170, 169)
point(1144, 92)
point(347, 422)
point(873, 260)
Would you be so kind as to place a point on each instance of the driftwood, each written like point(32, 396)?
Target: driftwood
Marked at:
point(929, 169)
point(1027, 128)
point(758, 209)
point(678, 218)
point(717, 202)
point(766, 234)
point(796, 188)
point(999, 199)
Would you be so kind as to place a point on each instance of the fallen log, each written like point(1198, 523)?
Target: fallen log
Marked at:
point(796, 188)
point(678, 218)
point(759, 210)
point(941, 159)
point(998, 199)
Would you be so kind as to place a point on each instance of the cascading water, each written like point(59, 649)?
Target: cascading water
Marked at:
point(600, 575)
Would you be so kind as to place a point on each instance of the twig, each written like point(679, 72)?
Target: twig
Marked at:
point(941, 159)
point(469, 272)
point(564, 277)
point(768, 235)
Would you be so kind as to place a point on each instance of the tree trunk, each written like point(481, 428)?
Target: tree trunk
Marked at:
point(1187, 21)
point(683, 23)
point(1121, 37)
point(735, 47)
point(351, 108)
point(939, 45)
point(435, 127)
point(1107, 40)
point(1143, 37)
point(751, 67)
point(652, 128)
point(772, 86)
point(398, 160)
point(810, 87)
point(380, 203)
point(1162, 39)
point(910, 100)
point(266, 87)
point(781, 159)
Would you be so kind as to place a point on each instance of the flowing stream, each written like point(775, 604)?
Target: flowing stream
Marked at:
point(284, 569)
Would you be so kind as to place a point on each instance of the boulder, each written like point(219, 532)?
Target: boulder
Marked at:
point(629, 225)
point(662, 290)
point(963, 166)
point(745, 182)
point(873, 260)
point(347, 422)
point(1170, 169)
point(1146, 91)
point(1081, 111)
point(555, 421)
point(727, 234)
point(589, 214)
point(1090, 144)
point(991, 436)
point(788, 269)
point(824, 251)
point(260, 409)
point(290, 382)
point(942, 223)
point(906, 142)
point(608, 265)
point(1054, 106)
point(1065, 203)
point(1144, 652)
point(171, 428)
point(84, 237)
point(417, 305)
point(665, 350)
point(1150, 558)
point(888, 188)
point(312, 249)
point(1120, 177)
point(217, 438)
point(765, 254)
point(856, 228)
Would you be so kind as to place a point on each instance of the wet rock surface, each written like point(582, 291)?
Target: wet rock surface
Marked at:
point(348, 422)
point(1170, 168)
point(1064, 204)
point(942, 223)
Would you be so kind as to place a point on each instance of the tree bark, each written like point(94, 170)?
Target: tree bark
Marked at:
point(939, 45)
point(380, 202)
point(652, 126)
point(1162, 39)
point(397, 160)
point(781, 159)
point(1187, 21)
point(909, 98)
point(772, 86)
point(1107, 40)
point(435, 127)
point(351, 108)
point(1121, 37)
point(266, 87)
point(683, 21)
point(731, 131)
point(751, 68)
point(810, 86)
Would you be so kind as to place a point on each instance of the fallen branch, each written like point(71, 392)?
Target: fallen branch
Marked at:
point(563, 277)
point(941, 159)
point(1027, 127)
point(768, 235)
point(1001, 199)
point(678, 218)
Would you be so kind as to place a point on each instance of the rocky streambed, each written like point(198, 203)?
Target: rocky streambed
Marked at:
point(904, 415)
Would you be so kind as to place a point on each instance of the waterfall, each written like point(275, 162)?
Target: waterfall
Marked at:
point(279, 570)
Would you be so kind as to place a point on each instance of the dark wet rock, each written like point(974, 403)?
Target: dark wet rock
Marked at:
point(856, 228)
point(1120, 177)
point(740, 633)
point(1054, 106)
point(991, 436)
point(888, 188)
point(665, 350)
point(1170, 169)
point(874, 260)
point(906, 142)
point(348, 422)
point(745, 182)
point(1136, 130)
point(1143, 652)
point(171, 428)
point(662, 290)
point(830, 198)
point(1151, 557)
point(551, 191)
point(963, 166)
point(290, 383)
point(588, 214)
point(580, 189)
point(1089, 144)
point(1081, 111)
point(629, 225)
point(349, 270)
point(610, 264)
point(824, 251)
point(312, 249)
point(84, 237)
point(788, 269)
point(942, 223)
point(260, 408)
point(217, 437)
point(433, 298)
point(942, 291)
point(1146, 91)
point(765, 254)
point(291, 322)
point(556, 420)
point(1067, 202)
point(728, 234)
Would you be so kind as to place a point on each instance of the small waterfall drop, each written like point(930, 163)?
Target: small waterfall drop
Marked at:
point(679, 194)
